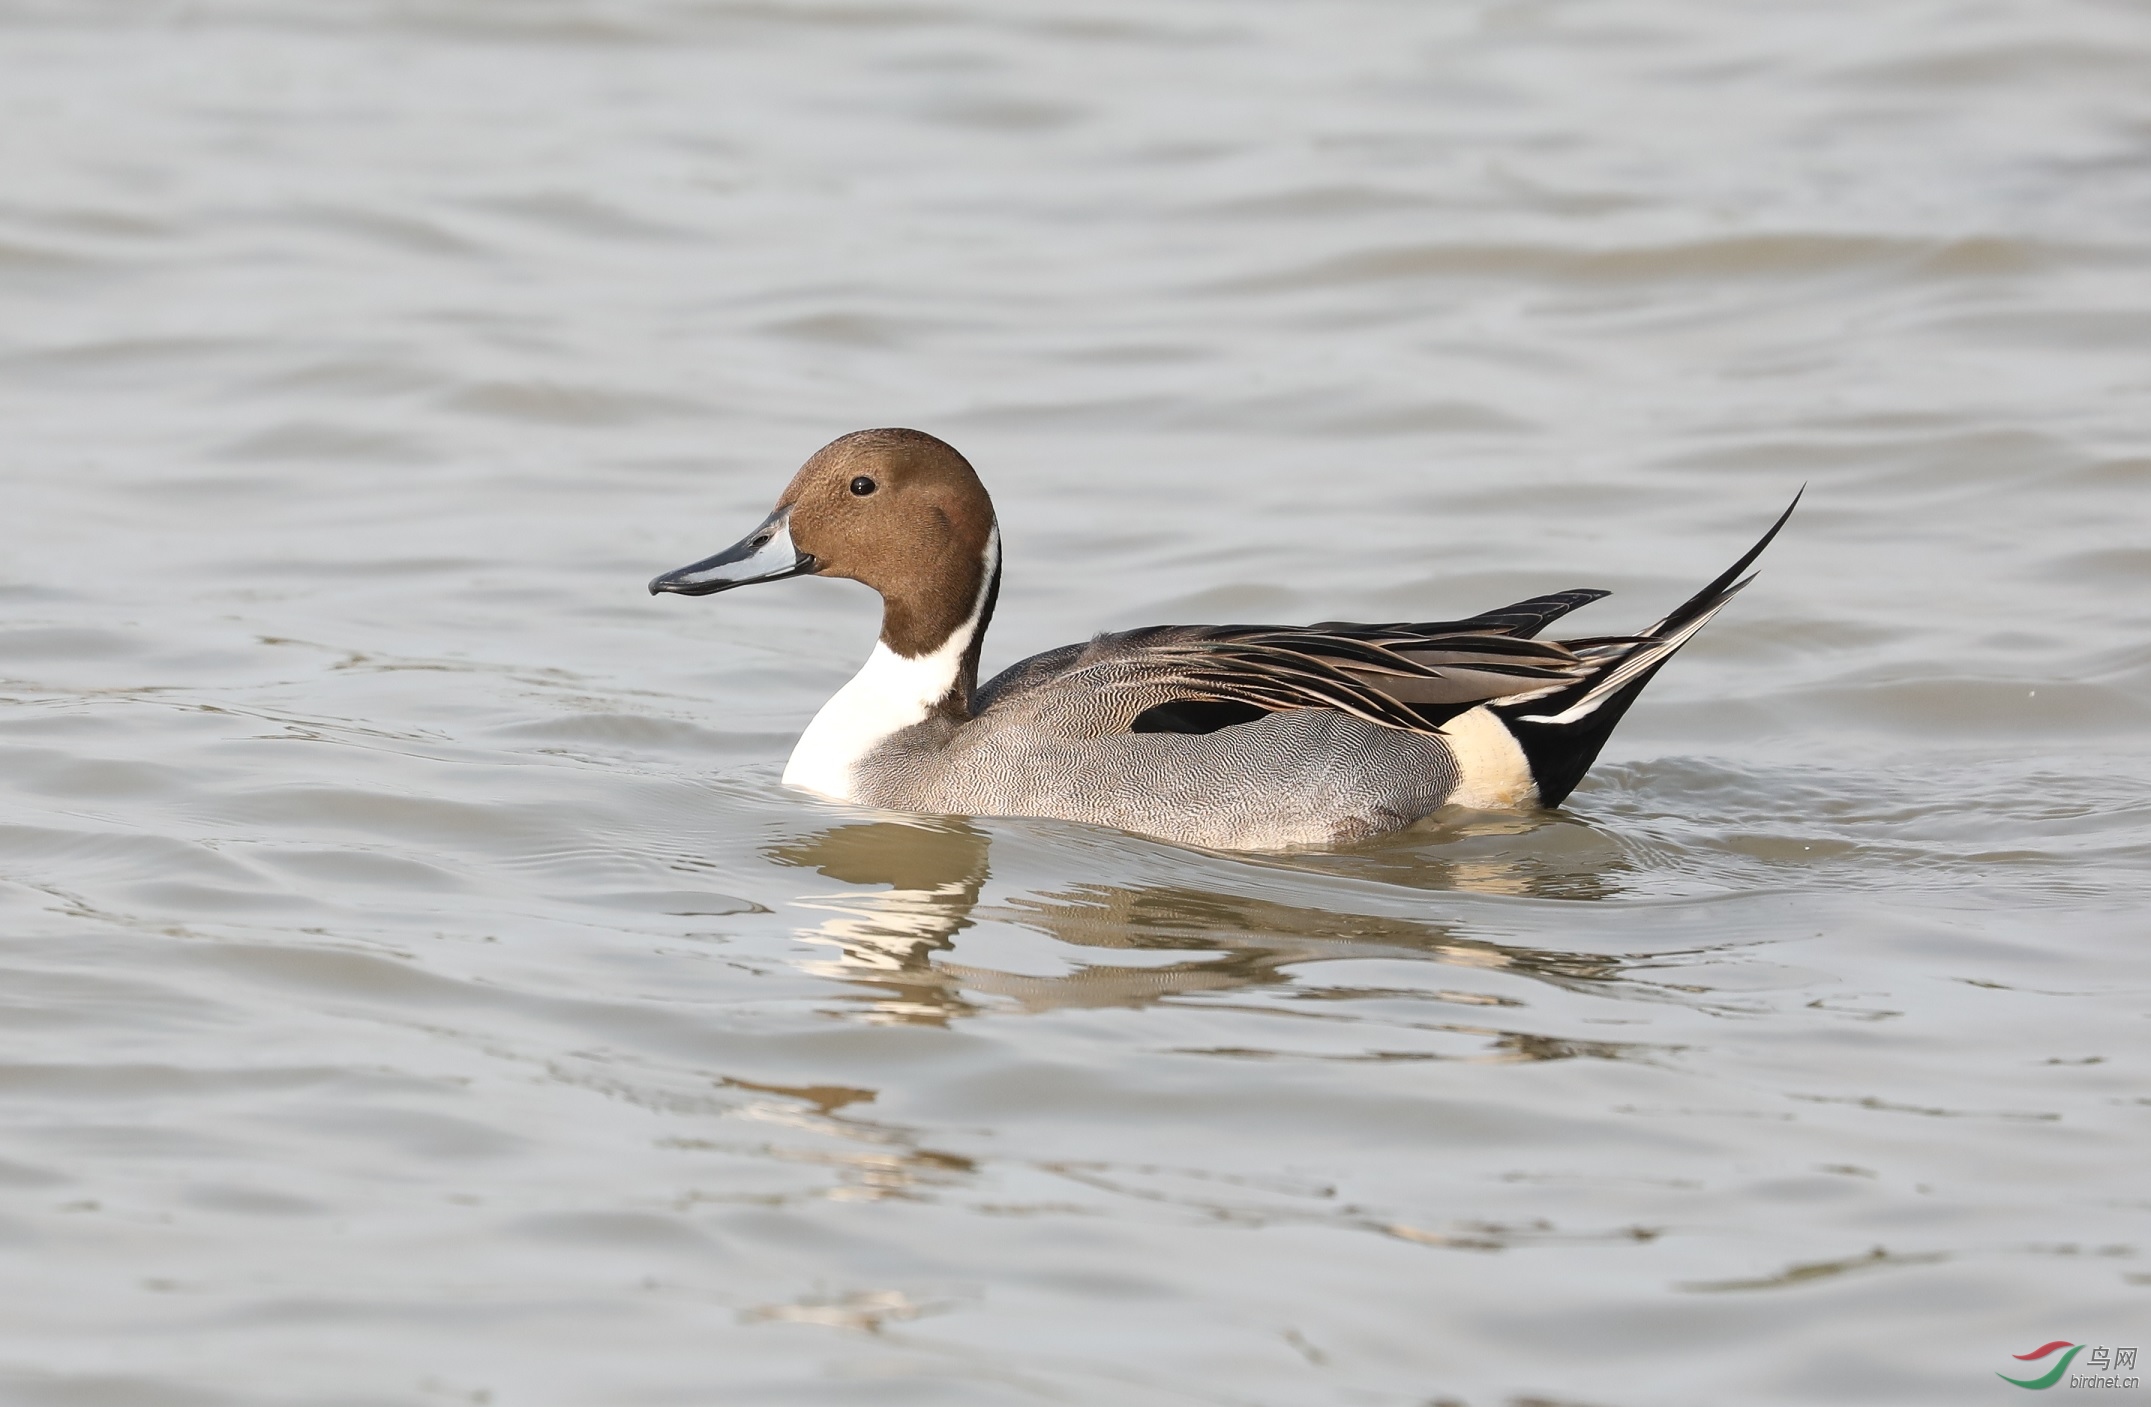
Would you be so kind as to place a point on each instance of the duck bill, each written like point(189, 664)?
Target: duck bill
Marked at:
point(766, 554)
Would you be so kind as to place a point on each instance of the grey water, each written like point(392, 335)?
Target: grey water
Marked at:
point(419, 989)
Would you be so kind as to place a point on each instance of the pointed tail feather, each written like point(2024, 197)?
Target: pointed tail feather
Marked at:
point(1561, 733)
point(1721, 590)
point(1527, 618)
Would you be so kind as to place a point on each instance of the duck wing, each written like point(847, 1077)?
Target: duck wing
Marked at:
point(1199, 678)
point(1560, 698)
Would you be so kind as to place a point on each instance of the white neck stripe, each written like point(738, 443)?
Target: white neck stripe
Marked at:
point(889, 694)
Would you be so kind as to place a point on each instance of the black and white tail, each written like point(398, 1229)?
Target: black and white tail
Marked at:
point(1561, 733)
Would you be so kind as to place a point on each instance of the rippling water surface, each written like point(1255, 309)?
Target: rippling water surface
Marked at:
point(418, 988)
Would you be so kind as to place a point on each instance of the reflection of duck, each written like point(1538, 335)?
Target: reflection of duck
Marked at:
point(893, 1163)
point(937, 870)
point(934, 870)
point(1542, 855)
point(1238, 737)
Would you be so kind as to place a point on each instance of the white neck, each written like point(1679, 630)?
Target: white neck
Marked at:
point(890, 694)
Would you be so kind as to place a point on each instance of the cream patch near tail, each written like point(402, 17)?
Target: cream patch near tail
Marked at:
point(1492, 772)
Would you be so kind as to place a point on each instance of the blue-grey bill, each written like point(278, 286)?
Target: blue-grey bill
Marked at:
point(766, 554)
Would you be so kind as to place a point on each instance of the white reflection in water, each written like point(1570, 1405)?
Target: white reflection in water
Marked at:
point(899, 943)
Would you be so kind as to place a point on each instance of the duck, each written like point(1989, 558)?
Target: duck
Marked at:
point(1221, 737)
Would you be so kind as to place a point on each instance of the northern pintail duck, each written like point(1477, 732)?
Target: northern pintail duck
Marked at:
point(1236, 737)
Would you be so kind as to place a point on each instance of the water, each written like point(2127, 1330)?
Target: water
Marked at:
point(418, 988)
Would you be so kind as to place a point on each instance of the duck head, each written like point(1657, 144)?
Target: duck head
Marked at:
point(897, 510)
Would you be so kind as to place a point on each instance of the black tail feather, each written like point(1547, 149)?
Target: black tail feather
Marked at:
point(1526, 619)
point(1561, 734)
point(1728, 582)
point(1561, 753)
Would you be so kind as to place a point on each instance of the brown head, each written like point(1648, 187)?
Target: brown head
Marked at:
point(896, 509)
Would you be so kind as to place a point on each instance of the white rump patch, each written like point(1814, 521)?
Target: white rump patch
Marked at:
point(887, 696)
point(1492, 771)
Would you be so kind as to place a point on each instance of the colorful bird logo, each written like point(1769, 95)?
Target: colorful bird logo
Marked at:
point(2053, 1374)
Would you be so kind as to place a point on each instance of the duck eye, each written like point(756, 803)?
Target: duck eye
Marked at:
point(862, 486)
